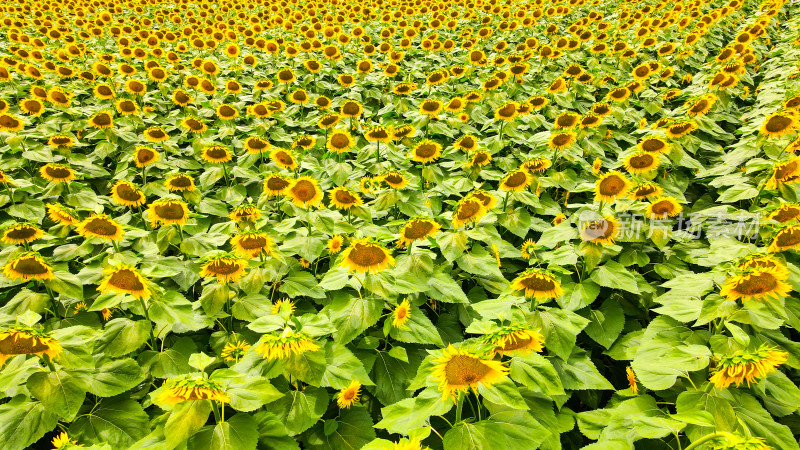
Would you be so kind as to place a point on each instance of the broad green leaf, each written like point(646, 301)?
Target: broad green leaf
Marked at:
point(118, 422)
point(23, 422)
point(239, 432)
point(59, 392)
point(299, 410)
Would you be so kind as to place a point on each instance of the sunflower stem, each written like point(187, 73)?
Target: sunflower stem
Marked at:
point(153, 341)
point(459, 406)
point(709, 437)
point(505, 201)
point(225, 170)
point(10, 193)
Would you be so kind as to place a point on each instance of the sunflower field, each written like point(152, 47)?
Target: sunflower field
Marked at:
point(400, 224)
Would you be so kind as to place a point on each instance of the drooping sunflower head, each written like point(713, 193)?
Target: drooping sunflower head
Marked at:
point(125, 279)
point(328, 121)
point(590, 121)
point(766, 262)
point(192, 389)
point(245, 214)
point(28, 266)
point(60, 215)
point(180, 183)
point(342, 197)
point(417, 229)
point(366, 256)
point(127, 194)
point(394, 180)
point(538, 283)
point(611, 186)
point(216, 154)
point(760, 284)
point(57, 173)
point(680, 129)
point(155, 134)
point(100, 226)
point(787, 212)
point(514, 340)
point(304, 142)
point(234, 351)
point(60, 141)
point(168, 211)
point(459, 370)
point(426, 151)
point(252, 244)
point(283, 158)
point(602, 231)
point(305, 192)
point(746, 366)
point(284, 345)
point(785, 172)
point(700, 106)
point(619, 94)
point(22, 340)
point(276, 184)
point(786, 239)
point(224, 267)
point(403, 132)
point(516, 181)
point(21, 233)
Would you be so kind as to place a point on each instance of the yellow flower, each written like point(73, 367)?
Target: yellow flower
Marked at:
point(514, 340)
point(611, 186)
point(746, 366)
point(227, 112)
point(194, 125)
point(663, 207)
point(340, 141)
point(641, 162)
point(57, 173)
point(537, 165)
point(365, 256)
point(632, 380)
point(786, 172)
point(401, 314)
point(288, 343)
point(344, 198)
point(458, 370)
point(426, 151)
point(538, 283)
point(100, 226)
point(417, 229)
point(145, 156)
point(276, 184)
point(335, 244)
point(62, 441)
point(786, 239)
point(245, 214)
point(180, 183)
point(394, 180)
point(224, 268)
point(58, 214)
point(126, 193)
point(468, 210)
point(646, 190)
point(283, 158)
point(21, 233)
point(234, 351)
point(561, 141)
point(652, 145)
point(27, 341)
point(701, 105)
point(192, 389)
point(125, 279)
point(349, 395)
point(527, 248)
point(516, 181)
point(766, 262)
point(167, 211)
point(596, 166)
point(216, 154)
point(761, 284)
point(102, 120)
point(255, 145)
point(10, 123)
point(507, 112)
point(60, 140)
point(601, 231)
point(305, 192)
point(284, 306)
point(155, 134)
point(408, 444)
point(250, 245)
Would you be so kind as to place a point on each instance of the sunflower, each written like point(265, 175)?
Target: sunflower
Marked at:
point(60, 140)
point(256, 145)
point(746, 366)
point(344, 198)
point(557, 86)
point(538, 101)
point(276, 184)
point(283, 158)
point(216, 154)
point(155, 134)
point(394, 180)
point(334, 244)
point(59, 97)
point(192, 389)
point(234, 351)
point(59, 214)
point(57, 173)
point(168, 212)
point(590, 121)
point(340, 141)
point(245, 214)
point(455, 105)
point(787, 238)
point(426, 151)
point(680, 129)
point(514, 340)
point(567, 120)
point(611, 186)
point(378, 134)
point(304, 142)
point(417, 229)
point(328, 121)
point(224, 268)
point(779, 124)
point(252, 244)
point(126, 193)
point(469, 209)
point(305, 192)
point(784, 173)
point(135, 87)
point(27, 266)
point(641, 162)
point(430, 107)
point(538, 283)
point(762, 283)
point(600, 231)
point(63, 441)
point(27, 341)
point(561, 141)
point(365, 256)
point(700, 106)
point(349, 395)
point(346, 80)
point(619, 94)
point(352, 109)
point(21, 233)
point(125, 279)
point(102, 120)
point(194, 125)
point(126, 107)
point(516, 181)
point(765, 262)
point(180, 97)
point(785, 213)
point(180, 183)
point(31, 106)
point(507, 112)
point(458, 370)
point(100, 226)
point(403, 132)
point(282, 346)
point(104, 91)
point(479, 159)
point(404, 88)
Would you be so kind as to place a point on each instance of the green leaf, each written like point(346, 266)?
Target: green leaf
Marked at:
point(606, 323)
point(59, 393)
point(23, 422)
point(122, 336)
point(186, 419)
point(299, 410)
point(392, 378)
point(352, 315)
point(413, 412)
point(535, 372)
point(417, 330)
point(342, 367)
point(300, 283)
point(560, 329)
point(353, 431)
point(118, 421)
point(615, 276)
point(272, 433)
point(580, 373)
point(114, 377)
point(504, 393)
point(760, 423)
point(240, 432)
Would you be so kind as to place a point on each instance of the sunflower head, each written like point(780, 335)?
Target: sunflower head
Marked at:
point(168, 211)
point(611, 186)
point(426, 151)
point(305, 192)
point(538, 284)
point(756, 283)
point(516, 181)
point(216, 154)
point(342, 197)
point(779, 124)
point(340, 141)
point(224, 268)
point(192, 389)
point(417, 229)
point(126, 193)
point(401, 314)
point(746, 366)
point(57, 173)
point(21, 233)
point(276, 184)
point(125, 279)
point(252, 244)
point(28, 266)
point(514, 340)
point(100, 226)
point(27, 341)
point(60, 215)
point(349, 395)
point(663, 207)
point(601, 231)
point(283, 158)
point(366, 256)
point(459, 370)
point(469, 209)
point(284, 345)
